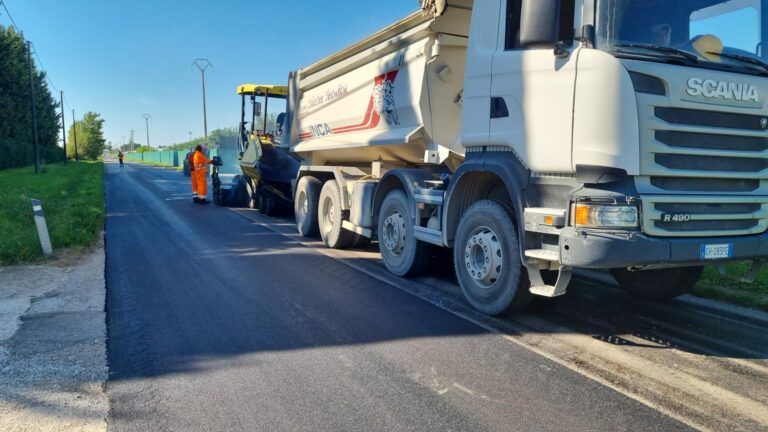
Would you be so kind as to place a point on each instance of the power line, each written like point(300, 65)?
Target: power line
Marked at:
point(2, 3)
point(270, 21)
point(42, 68)
point(37, 56)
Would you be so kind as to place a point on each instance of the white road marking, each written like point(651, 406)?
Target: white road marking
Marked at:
point(464, 389)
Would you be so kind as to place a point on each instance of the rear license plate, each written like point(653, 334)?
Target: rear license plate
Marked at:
point(716, 251)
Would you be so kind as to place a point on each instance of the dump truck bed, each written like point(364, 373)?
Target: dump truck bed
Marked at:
point(394, 96)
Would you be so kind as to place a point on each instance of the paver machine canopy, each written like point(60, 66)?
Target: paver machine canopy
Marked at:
point(269, 168)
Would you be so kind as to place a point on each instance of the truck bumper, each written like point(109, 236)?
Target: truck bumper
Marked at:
point(597, 249)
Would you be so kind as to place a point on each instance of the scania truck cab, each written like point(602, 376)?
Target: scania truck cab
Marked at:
point(534, 137)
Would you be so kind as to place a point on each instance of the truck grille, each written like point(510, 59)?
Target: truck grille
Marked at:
point(696, 163)
point(710, 118)
point(705, 216)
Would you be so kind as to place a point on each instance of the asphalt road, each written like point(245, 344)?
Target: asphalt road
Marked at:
point(217, 322)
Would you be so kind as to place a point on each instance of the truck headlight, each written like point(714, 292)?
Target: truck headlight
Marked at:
point(590, 215)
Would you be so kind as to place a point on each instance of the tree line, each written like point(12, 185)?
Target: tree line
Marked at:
point(17, 145)
point(16, 133)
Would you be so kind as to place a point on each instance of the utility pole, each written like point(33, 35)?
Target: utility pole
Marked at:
point(146, 119)
point(74, 130)
point(131, 142)
point(202, 65)
point(63, 128)
point(34, 109)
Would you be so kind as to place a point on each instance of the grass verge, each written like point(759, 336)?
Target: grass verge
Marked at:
point(73, 202)
point(731, 289)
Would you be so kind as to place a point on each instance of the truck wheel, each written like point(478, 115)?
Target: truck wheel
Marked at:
point(305, 206)
point(660, 284)
point(361, 242)
point(487, 260)
point(330, 218)
point(403, 255)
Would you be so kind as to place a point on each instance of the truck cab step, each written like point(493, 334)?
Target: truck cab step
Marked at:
point(543, 255)
point(541, 288)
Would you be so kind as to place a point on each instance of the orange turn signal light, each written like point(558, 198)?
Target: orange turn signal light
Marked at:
point(581, 216)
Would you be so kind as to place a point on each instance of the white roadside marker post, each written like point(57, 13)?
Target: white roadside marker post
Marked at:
point(42, 227)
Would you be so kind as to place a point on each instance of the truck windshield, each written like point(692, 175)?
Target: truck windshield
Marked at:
point(719, 34)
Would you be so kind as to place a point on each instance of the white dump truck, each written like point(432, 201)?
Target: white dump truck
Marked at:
point(533, 137)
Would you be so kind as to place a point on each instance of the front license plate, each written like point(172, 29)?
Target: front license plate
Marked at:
point(716, 251)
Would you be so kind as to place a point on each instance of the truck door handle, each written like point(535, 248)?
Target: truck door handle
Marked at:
point(498, 108)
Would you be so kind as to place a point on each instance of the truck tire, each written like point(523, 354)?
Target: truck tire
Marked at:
point(330, 217)
point(487, 260)
point(360, 242)
point(402, 254)
point(660, 284)
point(305, 206)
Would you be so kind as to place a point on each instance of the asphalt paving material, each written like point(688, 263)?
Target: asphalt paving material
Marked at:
point(216, 322)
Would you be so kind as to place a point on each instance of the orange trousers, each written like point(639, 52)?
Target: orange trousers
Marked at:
point(200, 183)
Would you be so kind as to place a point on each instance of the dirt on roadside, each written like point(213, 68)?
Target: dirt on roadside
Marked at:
point(53, 344)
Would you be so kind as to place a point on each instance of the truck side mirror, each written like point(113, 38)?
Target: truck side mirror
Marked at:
point(257, 109)
point(540, 23)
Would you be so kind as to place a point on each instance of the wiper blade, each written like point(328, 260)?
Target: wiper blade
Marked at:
point(743, 58)
point(671, 50)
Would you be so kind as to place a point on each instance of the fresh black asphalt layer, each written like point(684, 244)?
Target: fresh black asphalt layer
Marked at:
point(217, 323)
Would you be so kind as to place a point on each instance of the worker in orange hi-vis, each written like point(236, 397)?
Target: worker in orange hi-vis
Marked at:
point(191, 165)
point(201, 169)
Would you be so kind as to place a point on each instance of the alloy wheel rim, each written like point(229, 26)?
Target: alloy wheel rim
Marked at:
point(394, 233)
point(483, 257)
point(329, 213)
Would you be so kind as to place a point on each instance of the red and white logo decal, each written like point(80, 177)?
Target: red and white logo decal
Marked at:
point(381, 104)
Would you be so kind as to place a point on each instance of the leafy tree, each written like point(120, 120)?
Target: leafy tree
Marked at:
point(90, 137)
point(16, 126)
point(216, 138)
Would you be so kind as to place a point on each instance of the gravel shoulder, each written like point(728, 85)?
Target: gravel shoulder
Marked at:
point(52, 345)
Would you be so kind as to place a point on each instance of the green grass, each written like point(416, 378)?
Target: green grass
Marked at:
point(73, 202)
point(732, 289)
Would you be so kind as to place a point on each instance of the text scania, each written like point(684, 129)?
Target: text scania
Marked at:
point(320, 130)
point(722, 90)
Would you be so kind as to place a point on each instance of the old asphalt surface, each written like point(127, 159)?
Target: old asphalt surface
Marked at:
point(224, 321)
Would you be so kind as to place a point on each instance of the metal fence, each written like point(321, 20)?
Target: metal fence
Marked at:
point(175, 158)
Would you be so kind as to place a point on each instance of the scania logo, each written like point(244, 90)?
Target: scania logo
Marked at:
point(722, 90)
point(764, 123)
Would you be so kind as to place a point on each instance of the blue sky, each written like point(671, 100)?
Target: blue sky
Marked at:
point(124, 59)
